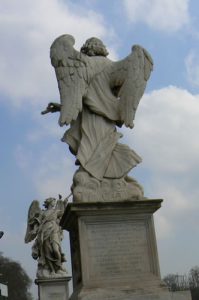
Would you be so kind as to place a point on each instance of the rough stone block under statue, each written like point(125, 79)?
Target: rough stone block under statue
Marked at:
point(53, 288)
point(114, 252)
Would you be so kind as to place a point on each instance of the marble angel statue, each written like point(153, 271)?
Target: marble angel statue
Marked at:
point(43, 227)
point(98, 95)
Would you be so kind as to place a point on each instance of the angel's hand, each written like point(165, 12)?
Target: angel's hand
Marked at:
point(66, 200)
point(34, 255)
point(52, 107)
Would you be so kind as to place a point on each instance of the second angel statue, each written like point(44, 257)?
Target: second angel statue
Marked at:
point(43, 227)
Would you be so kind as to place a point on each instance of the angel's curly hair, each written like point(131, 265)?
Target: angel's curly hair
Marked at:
point(49, 201)
point(94, 47)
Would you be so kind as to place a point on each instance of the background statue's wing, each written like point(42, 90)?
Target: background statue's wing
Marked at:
point(128, 80)
point(72, 76)
point(33, 221)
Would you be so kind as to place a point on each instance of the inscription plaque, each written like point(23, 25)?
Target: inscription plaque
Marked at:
point(117, 250)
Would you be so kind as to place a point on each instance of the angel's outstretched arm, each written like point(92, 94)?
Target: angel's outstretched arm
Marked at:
point(52, 107)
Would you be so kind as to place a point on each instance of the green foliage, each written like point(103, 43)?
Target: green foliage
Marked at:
point(194, 277)
point(177, 282)
point(16, 278)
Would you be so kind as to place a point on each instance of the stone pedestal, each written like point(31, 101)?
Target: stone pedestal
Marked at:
point(114, 252)
point(53, 288)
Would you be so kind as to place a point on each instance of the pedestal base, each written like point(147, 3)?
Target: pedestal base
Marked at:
point(114, 252)
point(53, 288)
point(118, 294)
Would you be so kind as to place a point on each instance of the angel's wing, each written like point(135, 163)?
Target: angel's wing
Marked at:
point(128, 79)
point(72, 76)
point(34, 217)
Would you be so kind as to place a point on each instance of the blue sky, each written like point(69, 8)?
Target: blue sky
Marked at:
point(35, 164)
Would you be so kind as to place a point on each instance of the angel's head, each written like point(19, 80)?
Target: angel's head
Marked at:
point(94, 47)
point(49, 202)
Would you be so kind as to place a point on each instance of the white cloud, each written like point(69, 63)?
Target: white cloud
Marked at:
point(27, 29)
point(192, 68)
point(44, 127)
point(168, 120)
point(23, 159)
point(166, 15)
point(166, 136)
point(163, 227)
point(51, 170)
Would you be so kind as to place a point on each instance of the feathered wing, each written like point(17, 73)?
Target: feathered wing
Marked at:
point(33, 221)
point(72, 76)
point(128, 80)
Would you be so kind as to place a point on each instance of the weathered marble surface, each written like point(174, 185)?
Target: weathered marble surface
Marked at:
point(114, 252)
point(43, 227)
point(97, 96)
point(86, 188)
point(53, 288)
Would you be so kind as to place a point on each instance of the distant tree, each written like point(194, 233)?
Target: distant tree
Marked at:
point(171, 282)
point(176, 282)
point(16, 278)
point(194, 277)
